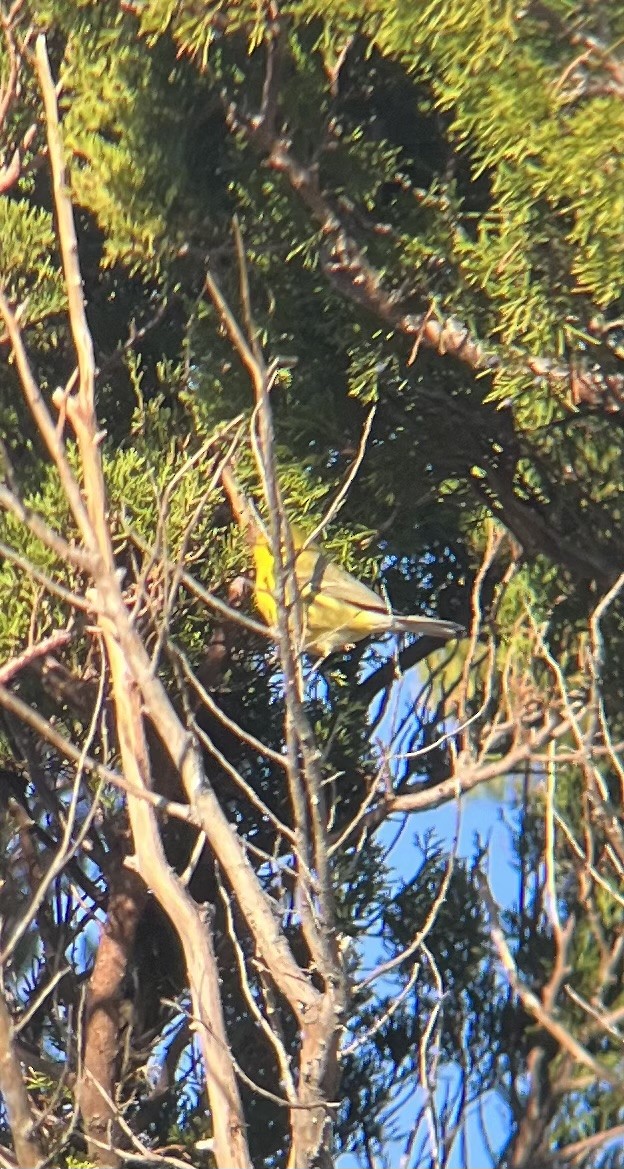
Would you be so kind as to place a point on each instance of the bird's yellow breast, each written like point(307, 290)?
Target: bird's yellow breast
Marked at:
point(265, 582)
point(336, 609)
point(329, 618)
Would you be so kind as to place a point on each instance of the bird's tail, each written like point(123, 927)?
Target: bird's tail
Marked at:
point(428, 626)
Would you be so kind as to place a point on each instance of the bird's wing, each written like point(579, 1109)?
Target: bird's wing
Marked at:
point(322, 581)
point(316, 573)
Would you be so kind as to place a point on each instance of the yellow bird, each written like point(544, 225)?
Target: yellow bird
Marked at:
point(337, 610)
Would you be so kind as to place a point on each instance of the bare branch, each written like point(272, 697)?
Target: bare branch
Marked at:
point(67, 749)
point(350, 272)
point(13, 667)
point(531, 1002)
point(15, 1096)
point(54, 443)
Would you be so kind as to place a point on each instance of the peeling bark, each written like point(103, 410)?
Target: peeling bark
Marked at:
point(101, 1055)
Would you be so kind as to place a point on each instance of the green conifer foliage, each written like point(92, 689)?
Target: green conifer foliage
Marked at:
point(414, 213)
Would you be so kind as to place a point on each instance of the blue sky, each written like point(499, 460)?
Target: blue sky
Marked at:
point(479, 817)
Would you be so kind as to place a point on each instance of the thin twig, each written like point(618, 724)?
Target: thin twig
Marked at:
point(530, 1000)
point(16, 664)
point(66, 848)
point(50, 735)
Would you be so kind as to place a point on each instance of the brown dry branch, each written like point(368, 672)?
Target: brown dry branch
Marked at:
point(488, 743)
point(72, 599)
point(541, 1008)
point(173, 573)
point(332, 510)
point(135, 689)
point(13, 667)
point(282, 829)
point(19, 1111)
point(574, 1152)
point(65, 551)
point(345, 263)
point(270, 1029)
point(100, 1066)
point(221, 607)
point(318, 1072)
point(561, 1045)
point(428, 1060)
point(8, 92)
point(14, 47)
point(69, 845)
point(128, 658)
point(68, 750)
point(587, 722)
point(233, 727)
point(493, 718)
point(535, 723)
